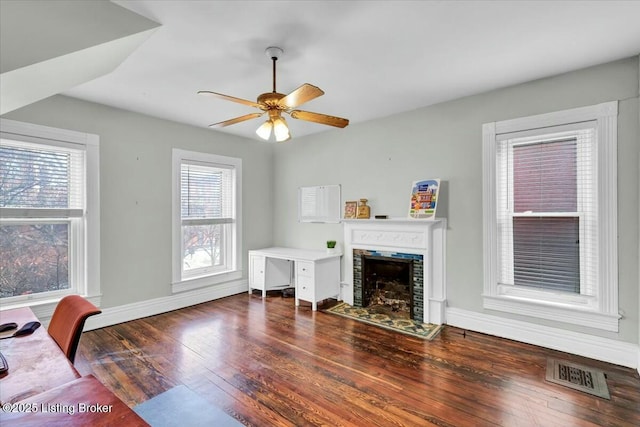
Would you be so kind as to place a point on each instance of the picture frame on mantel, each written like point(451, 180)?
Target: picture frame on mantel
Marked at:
point(350, 209)
point(424, 199)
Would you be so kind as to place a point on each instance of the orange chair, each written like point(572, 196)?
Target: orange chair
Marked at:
point(67, 322)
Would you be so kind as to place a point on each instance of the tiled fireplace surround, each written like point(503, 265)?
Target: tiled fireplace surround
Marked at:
point(423, 241)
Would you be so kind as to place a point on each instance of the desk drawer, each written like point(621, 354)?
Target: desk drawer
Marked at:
point(304, 269)
point(304, 288)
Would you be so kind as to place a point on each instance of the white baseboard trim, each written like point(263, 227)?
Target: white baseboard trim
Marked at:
point(137, 310)
point(44, 309)
point(594, 347)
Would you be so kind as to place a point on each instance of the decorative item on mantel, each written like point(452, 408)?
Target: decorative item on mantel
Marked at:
point(364, 211)
point(424, 199)
point(350, 209)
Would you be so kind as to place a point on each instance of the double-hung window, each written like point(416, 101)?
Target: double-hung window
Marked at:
point(550, 216)
point(49, 210)
point(206, 222)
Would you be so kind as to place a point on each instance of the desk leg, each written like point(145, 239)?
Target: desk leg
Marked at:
point(264, 293)
point(297, 302)
point(314, 306)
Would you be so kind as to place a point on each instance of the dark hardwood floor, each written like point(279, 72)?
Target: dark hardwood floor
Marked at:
point(267, 363)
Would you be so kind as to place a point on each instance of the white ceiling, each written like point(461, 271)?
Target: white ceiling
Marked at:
point(372, 58)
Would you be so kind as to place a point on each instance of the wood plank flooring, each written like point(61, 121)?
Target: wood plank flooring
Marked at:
point(268, 363)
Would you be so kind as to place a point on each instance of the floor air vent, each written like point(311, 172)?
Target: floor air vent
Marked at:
point(577, 377)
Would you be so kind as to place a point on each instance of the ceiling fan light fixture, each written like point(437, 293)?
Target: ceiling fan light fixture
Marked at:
point(281, 130)
point(264, 131)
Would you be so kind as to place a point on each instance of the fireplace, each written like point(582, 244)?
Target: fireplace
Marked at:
point(389, 283)
point(413, 248)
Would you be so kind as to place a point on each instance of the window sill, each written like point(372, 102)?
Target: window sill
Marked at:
point(43, 308)
point(553, 311)
point(204, 281)
point(547, 297)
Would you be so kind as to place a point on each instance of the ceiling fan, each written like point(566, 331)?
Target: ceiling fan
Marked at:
point(274, 104)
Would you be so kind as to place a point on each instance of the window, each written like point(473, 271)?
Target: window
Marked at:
point(550, 216)
point(206, 219)
point(49, 231)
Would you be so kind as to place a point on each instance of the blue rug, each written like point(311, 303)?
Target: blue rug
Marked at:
point(181, 407)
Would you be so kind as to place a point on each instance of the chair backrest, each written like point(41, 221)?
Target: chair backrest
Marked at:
point(67, 322)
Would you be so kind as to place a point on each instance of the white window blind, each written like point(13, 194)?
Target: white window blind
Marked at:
point(206, 194)
point(42, 181)
point(547, 208)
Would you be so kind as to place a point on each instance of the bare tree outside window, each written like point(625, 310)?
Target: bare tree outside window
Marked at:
point(202, 246)
point(33, 258)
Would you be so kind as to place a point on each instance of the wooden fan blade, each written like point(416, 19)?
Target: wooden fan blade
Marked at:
point(304, 93)
point(236, 120)
point(319, 118)
point(231, 98)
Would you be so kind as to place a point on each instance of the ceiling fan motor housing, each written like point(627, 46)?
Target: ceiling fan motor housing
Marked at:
point(270, 99)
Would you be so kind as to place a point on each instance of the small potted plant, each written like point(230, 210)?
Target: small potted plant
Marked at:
point(331, 246)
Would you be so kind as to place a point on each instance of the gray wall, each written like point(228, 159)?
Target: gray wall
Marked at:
point(135, 189)
point(378, 160)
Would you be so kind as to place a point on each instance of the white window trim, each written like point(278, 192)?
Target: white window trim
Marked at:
point(89, 285)
point(178, 283)
point(601, 311)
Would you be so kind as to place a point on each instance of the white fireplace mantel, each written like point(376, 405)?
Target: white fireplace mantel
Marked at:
point(421, 237)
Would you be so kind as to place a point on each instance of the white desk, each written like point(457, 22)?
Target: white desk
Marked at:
point(315, 274)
